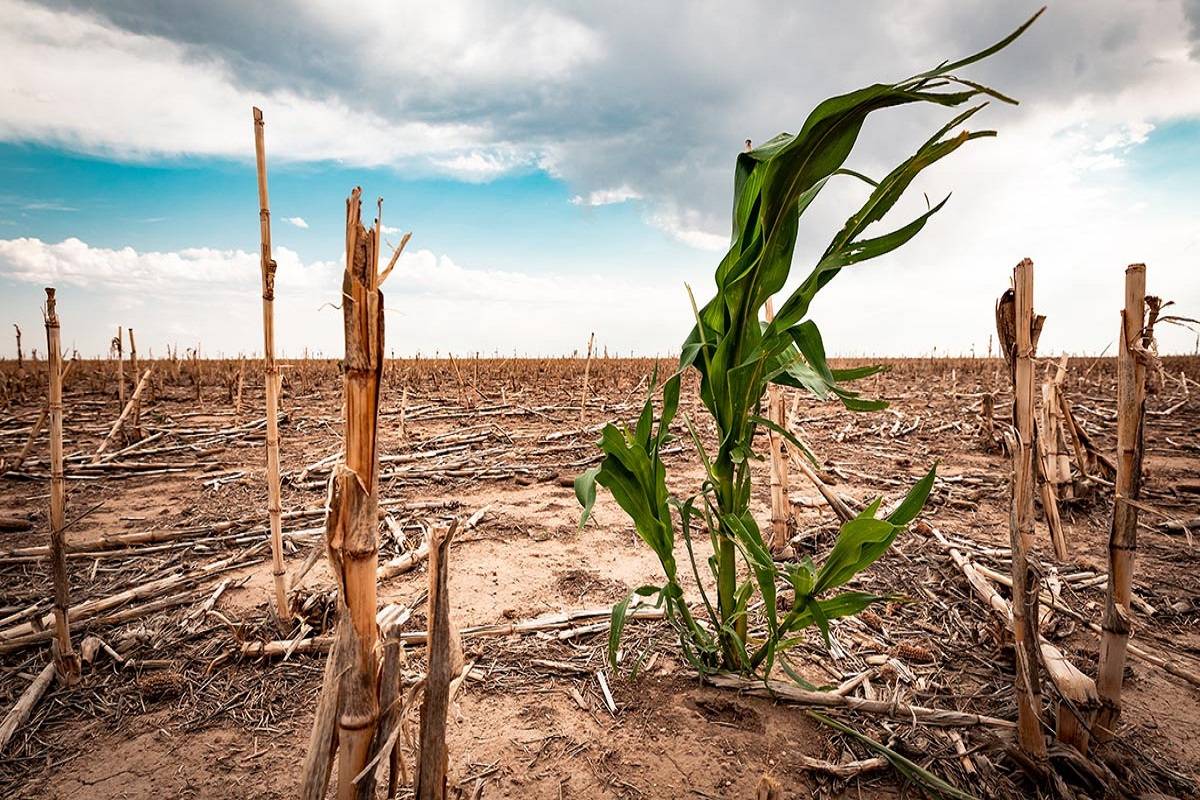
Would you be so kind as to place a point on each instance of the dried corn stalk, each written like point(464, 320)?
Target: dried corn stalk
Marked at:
point(1019, 328)
point(65, 659)
point(270, 374)
point(1122, 543)
point(352, 540)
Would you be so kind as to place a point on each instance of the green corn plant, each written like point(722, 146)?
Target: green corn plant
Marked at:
point(737, 355)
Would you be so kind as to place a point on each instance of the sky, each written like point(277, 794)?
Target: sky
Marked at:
point(566, 168)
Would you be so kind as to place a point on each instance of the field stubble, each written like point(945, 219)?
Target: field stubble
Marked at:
point(176, 510)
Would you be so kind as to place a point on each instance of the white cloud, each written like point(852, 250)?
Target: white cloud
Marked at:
point(73, 262)
point(461, 43)
point(77, 81)
point(47, 206)
point(480, 166)
point(1125, 136)
point(429, 300)
point(605, 197)
point(685, 226)
point(297, 221)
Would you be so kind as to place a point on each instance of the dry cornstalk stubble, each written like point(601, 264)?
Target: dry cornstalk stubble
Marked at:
point(350, 692)
point(1018, 329)
point(445, 658)
point(65, 659)
point(1133, 354)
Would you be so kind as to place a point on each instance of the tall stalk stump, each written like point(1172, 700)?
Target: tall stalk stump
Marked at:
point(270, 374)
point(1018, 329)
point(352, 673)
point(65, 659)
point(1122, 542)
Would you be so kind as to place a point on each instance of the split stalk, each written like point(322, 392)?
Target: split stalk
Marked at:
point(351, 528)
point(1122, 543)
point(1027, 683)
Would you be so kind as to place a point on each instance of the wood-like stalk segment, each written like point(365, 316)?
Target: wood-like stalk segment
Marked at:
point(587, 369)
point(135, 422)
point(133, 365)
point(788, 692)
point(779, 471)
point(197, 372)
point(987, 420)
point(322, 741)
point(442, 649)
point(1054, 459)
point(1049, 495)
point(24, 706)
point(1122, 542)
point(1020, 339)
point(129, 407)
point(1083, 461)
point(270, 374)
point(352, 536)
point(65, 660)
point(392, 711)
point(1056, 435)
point(119, 344)
point(836, 503)
point(241, 382)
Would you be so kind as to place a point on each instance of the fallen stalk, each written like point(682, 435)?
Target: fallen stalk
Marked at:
point(791, 693)
point(27, 633)
point(564, 622)
point(24, 706)
point(125, 412)
point(1172, 666)
point(1077, 688)
point(36, 428)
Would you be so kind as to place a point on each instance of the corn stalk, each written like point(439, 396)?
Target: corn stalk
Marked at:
point(66, 661)
point(270, 376)
point(1122, 540)
point(351, 680)
point(737, 356)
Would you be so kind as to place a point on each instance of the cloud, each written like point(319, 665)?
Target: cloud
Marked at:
point(1125, 137)
point(599, 97)
point(686, 226)
point(43, 206)
point(77, 81)
point(73, 262)
point(1192, 13)
point(428, 298)
point(297, 221)
point(1080, 220)
point(605, 197)
point(480, 166)
point(640, 101)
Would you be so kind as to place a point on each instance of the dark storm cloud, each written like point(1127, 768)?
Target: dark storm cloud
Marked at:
point(666, 98)
point(1191, 10)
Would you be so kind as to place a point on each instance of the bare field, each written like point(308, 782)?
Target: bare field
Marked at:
point(181, 706)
